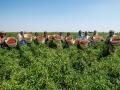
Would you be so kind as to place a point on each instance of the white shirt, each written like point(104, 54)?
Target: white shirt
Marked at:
point(86, 37)
point(20, 37)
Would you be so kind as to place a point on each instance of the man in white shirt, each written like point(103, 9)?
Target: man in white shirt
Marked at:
point(21, 38)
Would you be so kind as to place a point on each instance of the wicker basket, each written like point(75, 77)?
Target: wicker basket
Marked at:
point(82, 42)
point(11, 43)
point(28, 38)
point(98, 38)
point(50, 37)
point(40, 39)
point(116, 39)
point(70, 40)
point(0, 40)
point(57, 38)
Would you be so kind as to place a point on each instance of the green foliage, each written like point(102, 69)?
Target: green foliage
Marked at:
point(38, 67)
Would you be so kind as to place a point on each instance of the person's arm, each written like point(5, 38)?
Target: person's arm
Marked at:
point(0, 40)
point(35, 37)
point(23, 36)
point(115, 42)
point(18, 36)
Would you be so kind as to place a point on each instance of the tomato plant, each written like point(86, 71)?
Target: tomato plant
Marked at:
point(38, 67)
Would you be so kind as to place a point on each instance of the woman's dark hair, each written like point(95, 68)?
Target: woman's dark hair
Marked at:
point(60, 33)
point(94, 32)
point(68, 33)
point(45, 33)
point(36, 33)
point(21, 32)
point(1, 36)
point(80, 32)
point(111, 33)
point(86, 33)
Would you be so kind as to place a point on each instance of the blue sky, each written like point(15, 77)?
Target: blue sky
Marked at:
point(59, 15)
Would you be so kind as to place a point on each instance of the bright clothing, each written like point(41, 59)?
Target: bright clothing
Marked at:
point(20, 37)
point(86, 37)
point(81, 37)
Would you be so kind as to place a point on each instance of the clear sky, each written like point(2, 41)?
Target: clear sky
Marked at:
point(59, 15)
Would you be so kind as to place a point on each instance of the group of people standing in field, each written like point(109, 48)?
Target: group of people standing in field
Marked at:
point(58, 40)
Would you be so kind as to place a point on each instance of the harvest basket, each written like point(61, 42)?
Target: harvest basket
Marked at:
point(40, 39)
point(82, 42)
point(57, 37)
point(28, 38)
point(11, 41)
point(70, 40)
point(58, 43)
point(50, 37)
point(116, 40)
point(0, 40)
point(98, 38)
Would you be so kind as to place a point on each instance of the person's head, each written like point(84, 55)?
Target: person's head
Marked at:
point(86, 33)
point(95, 32)
point(21, 32)
point(2, 36)
point(36, 33)
point(111, 33)
point(45, 33)
point(60, 33)
point(80, 32)
point(68, 33)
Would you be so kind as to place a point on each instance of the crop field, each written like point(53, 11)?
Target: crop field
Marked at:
point(38, 67)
